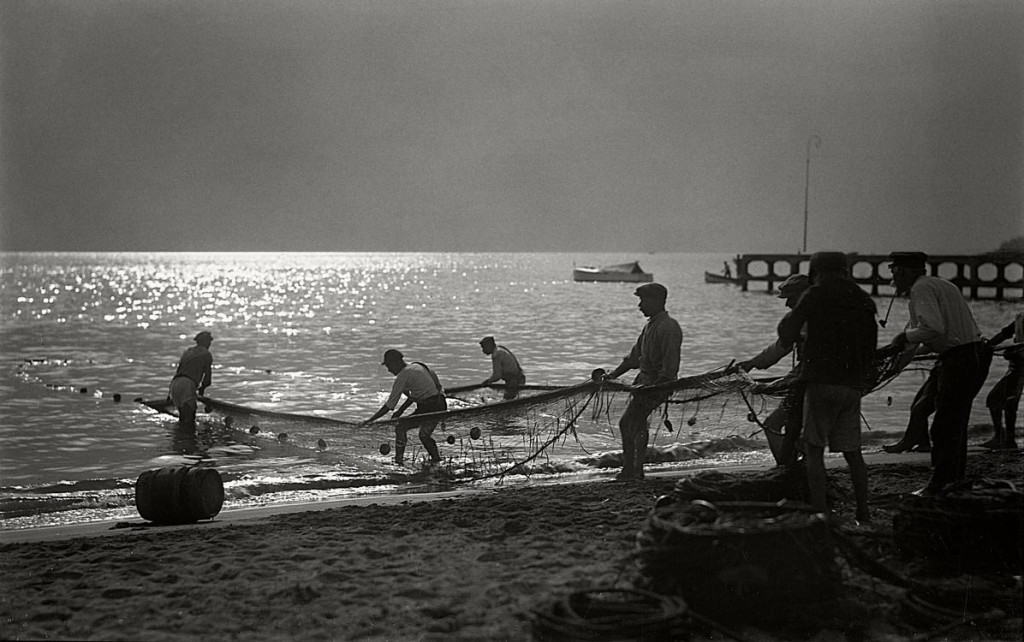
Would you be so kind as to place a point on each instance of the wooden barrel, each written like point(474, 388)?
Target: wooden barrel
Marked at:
point(179, 495)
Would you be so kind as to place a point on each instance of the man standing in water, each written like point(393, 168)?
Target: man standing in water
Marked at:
point(656, 354)
point(941, 320)
point(837, 362)
point(504, 366)
point(192, 379)
point(420, 385)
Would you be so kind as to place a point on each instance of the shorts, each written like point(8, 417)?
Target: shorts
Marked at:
point(832, 417)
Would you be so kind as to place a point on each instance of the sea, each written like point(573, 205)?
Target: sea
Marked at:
point(85, 335)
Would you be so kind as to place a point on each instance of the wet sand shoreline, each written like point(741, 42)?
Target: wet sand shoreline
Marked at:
point(462, 566)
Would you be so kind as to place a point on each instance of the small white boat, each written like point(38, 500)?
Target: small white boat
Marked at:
point(628, 272)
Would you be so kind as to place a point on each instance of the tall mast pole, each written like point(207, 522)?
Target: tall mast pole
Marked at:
point(814, 141)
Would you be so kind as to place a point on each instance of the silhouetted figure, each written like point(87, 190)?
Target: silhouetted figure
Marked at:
point(191, 379)
point(941, 320)
point(838, 361)
point(1004, 398)
point(504, 367)
point(656, 354)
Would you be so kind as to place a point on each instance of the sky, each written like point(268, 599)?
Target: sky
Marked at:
point(526, 125)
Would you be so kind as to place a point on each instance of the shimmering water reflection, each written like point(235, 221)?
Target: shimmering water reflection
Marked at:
point(305, 333)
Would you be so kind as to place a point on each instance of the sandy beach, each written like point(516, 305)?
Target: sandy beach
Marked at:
point(461, 566)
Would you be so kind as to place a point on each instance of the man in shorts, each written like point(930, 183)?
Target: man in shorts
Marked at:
point(838, 362)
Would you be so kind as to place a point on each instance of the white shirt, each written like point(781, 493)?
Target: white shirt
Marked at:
point(939, 316)
point(414, 381)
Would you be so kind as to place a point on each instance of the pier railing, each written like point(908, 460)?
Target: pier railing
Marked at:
point(996, 276)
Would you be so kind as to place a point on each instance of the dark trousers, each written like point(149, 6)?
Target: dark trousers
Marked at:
point(512, 386)
point(1004, 399)
point(960, 373)
point(635, 431)
point(426, 428)
point(922, 408)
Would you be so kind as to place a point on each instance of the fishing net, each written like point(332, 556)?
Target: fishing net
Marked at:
point(482, 436)
point(972, 525)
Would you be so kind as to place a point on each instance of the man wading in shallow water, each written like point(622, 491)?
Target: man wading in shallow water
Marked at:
point(420, 385)
point(656, 354)
point(192, 379)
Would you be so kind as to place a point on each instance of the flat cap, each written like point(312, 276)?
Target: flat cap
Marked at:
point(829, 263)
point(205, 334)
point(910, 260)
point(486, 340)
point(793, 285)
point(652, 291)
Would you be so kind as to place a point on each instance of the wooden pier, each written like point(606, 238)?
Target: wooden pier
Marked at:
point(995, 276)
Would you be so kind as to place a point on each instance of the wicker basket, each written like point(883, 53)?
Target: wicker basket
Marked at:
point(750, 561)
point(972, 526)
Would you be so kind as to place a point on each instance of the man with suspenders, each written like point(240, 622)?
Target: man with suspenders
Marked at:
point(421, 386)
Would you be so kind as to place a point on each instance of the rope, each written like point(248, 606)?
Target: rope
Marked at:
point(558, 435)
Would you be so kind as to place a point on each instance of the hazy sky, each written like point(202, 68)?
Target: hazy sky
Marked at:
point(575, 125)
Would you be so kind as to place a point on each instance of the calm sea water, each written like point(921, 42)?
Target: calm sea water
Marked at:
point(305, 333)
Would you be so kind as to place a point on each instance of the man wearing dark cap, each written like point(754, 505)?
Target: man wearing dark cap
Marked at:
point(941, 321)
point(421, 386)
point(191, 379)
point(837, 363)
point(788, 417)
point(656, 354)
point(504, 366)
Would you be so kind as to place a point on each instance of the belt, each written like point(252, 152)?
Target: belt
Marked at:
point(963, 350)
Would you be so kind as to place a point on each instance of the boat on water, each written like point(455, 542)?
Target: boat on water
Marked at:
point(624, 272)
point(712, 277)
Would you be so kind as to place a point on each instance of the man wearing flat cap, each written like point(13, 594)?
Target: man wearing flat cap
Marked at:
point(504, 367)
point(837, 362)
point(656, 354)
point(788, 417)
point(421, 386)
point(191, 379)
point(941, 322)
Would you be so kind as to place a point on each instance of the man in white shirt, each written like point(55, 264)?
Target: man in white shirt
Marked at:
point(421, 386)
point(504, 366)
point(941, 321)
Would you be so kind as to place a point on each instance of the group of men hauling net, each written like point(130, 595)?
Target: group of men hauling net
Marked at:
point(832, 333)
point(831, 329)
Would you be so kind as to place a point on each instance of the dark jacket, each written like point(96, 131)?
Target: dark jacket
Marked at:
point(839, 348)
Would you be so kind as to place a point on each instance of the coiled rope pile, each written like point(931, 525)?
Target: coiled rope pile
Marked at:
point(753, 561)
point(611, 614)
